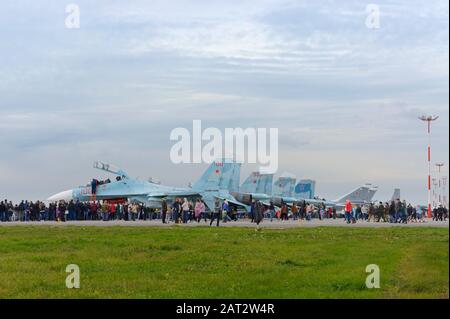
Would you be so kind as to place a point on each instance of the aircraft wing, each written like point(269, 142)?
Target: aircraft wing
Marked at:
point(174, 194)
point(182, 193)
point(235, 202)
point(318, 202)
point(210, 197)
point(230, 199)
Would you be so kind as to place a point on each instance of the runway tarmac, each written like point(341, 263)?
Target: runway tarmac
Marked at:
point(242, 223)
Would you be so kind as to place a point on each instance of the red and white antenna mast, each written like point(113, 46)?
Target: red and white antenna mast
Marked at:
point(429, 119)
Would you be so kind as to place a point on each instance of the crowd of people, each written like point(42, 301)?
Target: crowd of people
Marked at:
point(187, 211)
point(395, 211)
point(73, 210)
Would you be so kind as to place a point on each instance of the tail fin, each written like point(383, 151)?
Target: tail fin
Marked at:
point(284, 186)
point(305, 189)
point(219, 175)
point(396, 194)
point(371, 193)
point(264, 185)
point(251, 183)
point(360, 194)
point(231, 177)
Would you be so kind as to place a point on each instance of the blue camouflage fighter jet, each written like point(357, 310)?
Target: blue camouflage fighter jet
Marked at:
point(214, 183)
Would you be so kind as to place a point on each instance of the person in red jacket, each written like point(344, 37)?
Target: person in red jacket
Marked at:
point(348, 211)
point(112, 211)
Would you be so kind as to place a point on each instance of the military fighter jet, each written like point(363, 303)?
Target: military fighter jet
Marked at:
point(254, 188)
point(214, 183)
point(259, 187)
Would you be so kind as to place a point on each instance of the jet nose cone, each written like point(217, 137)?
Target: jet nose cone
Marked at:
point(66, 196)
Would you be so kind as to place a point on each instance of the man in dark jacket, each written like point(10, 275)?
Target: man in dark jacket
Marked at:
point(3, 211)
point(259, 214)
point(164, 211)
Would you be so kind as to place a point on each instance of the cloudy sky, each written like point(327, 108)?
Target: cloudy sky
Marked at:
point(345, 97)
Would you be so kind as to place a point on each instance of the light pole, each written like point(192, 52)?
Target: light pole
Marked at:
point(439, 166)
point(429, 119)
point(444, 191)
point(434, 193)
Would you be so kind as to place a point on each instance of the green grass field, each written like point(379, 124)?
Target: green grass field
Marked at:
point(203, 262)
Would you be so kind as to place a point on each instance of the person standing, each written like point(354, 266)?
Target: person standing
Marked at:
point(94, 184)
point(359, 213)
point(252, 211)
point(226, 211)
point(185, 208)
point(309, 211)
point(176, 210)
point(321, 211)
point(163, 211)
point(217, 212)
point(21, 211)
point(3, 211)
point(397, 208)
point(62, 211)
point(419, 213)
point(284, 212)
point(392, 213)
point(93, 210)
point(71, 209)
point(126, 211)
point(380, 211)
point(294, 210)
point(404, 213)
point(191, 216)
point(271, 210)
point(259, 214)
point(105, 208)
point(134, 211)
point(348, 211)
point(409, 212)
point(43, 213)
point(111, 211)
point(303, 210)
point(203, 213)
point(385, 212)
point(199, 210)
point(413, 214)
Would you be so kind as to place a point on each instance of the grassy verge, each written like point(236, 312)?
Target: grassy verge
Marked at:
point(177, 262)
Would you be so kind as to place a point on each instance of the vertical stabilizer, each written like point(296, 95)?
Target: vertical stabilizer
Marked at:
point(219, 175)
point(396, 194)
point(284, 186)
point(264, 185)
point(251, 183)
point(305, 189)
point(360, 194)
